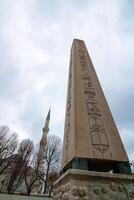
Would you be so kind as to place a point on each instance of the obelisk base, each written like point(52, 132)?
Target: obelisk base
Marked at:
point(88, 185)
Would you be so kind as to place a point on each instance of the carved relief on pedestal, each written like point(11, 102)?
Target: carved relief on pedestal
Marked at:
point(99, 138)
point(94, 188)
point(62, 192)
point(79, 193)
point(110, 190)
point(131, 194)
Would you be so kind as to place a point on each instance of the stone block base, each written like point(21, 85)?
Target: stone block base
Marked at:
point(89, 185)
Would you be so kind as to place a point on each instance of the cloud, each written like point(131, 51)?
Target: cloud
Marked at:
point(35, 40)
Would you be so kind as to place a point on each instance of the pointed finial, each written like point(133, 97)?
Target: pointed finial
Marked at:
point(48, 115)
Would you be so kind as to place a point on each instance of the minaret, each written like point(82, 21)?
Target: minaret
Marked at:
point(43, 141)
point(42, 147)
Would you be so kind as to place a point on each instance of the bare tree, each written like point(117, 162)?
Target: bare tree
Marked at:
point(8, 145)
point(52, 160)
point(31, 172)
point(18, 166)
point(52, 177)
point(23, 163)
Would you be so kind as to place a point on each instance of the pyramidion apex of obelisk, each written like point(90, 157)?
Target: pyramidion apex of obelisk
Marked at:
point(78, 40)
point(91, 138)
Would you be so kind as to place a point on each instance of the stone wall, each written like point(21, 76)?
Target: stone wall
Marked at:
point(22, 197)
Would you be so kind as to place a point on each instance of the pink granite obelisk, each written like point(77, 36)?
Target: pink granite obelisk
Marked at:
point(91, 136)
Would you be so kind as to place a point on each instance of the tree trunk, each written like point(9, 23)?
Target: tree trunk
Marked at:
point(50, 191)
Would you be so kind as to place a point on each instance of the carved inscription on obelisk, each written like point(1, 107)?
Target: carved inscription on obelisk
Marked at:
point(98, 135)
point(68, 115)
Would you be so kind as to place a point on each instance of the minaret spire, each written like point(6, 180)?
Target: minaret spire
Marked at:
point(45, 130)
point(42, 147)
point(46, 126)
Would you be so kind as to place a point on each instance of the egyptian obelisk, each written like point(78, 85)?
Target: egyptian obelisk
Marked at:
point(90, 131)
point(95, 165)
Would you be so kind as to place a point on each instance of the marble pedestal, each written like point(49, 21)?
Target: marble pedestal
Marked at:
point(88, 185)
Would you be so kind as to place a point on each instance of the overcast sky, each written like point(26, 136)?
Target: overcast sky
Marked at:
point(35, 41)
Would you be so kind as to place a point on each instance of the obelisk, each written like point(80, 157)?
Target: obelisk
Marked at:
point(94, 164)
point(91, 136)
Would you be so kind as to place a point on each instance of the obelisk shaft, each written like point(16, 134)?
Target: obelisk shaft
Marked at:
point(90, 131)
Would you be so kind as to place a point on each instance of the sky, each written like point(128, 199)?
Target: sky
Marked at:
point(35, 42)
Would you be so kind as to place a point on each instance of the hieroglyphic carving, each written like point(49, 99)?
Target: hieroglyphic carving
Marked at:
point(68, 115)
point(98, 135)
